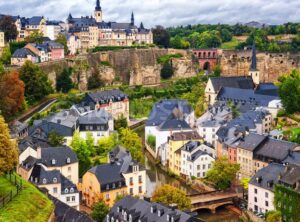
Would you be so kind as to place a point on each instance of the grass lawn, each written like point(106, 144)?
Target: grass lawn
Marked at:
point(29, 205)
point(230, 45)
point(5, 187)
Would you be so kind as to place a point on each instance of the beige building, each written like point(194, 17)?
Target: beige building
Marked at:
point(2, 39)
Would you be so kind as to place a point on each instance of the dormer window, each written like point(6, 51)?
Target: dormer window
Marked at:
point(53, 161)
point(114, 186)
point(54, 180)
point(44, 180)
point(72, 190)
point(125, 216)
point(172, 219)
point(68, 160)
point(107, 187)
point(112, 219)
point(135, 168)
point(168, 217)
point(118, 209)
point(130, 218)
point(107, 218)
point(120, 184)
point(66, 190)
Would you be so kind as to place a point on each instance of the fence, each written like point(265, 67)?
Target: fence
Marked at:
point(14, 180)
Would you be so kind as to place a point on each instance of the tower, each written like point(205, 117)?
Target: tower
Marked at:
point(254, 72)
point(132, 19)
point(98, 12)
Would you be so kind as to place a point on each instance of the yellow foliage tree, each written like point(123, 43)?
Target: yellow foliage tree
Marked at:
point(8, 149)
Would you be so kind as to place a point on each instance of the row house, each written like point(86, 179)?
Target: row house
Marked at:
point(121, 176)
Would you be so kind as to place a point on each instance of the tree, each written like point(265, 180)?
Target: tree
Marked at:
point(133, 143)
point(121, 122)
point(2, 70)
point(179, 43)
point(6, 56)
point(94, 81)
point(35, 37)
point(55, 139)
point(8, 149)
point(194, 40)
point(289, 91)
point(273, 216)
point(63, 40)
point(7, 25)
point(217, 70)
point(245, 183)
point(12, 94)
point(64, 82)
point(222, 173)
point(167, 71)
point(161, 36)
point(226, 35)
point(210, 39)
point(151, 140)
point(99, 211)
point(168, 194)
point(37, 85)
point(106, 144)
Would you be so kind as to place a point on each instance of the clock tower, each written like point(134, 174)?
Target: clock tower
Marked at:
point(98, 12)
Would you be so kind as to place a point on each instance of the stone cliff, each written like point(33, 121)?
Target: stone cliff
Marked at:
point(131, 66)
point(270, 65)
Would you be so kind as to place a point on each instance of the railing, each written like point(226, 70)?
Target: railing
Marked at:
point(4, 200)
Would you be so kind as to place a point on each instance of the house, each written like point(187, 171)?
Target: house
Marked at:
point(120, 176)
point(194, 161)
point(57, 50)
point(41, 50)
point(63, 123)
point(210, 122)
point(168, 117)
point(73, 43)
point(132, 209)
point(261, 188)
point(2, 39)
point(18, 130)
point(98, 123)
point(114, 102)
point(52, 29)
point(215, 84)
point(20, 56)
point(174, 144)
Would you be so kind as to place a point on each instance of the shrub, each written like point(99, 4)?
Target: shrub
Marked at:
point(151, 140)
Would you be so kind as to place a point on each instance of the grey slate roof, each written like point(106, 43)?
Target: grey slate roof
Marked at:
point(59, 154)
point(28, 163)
point(190, 146)
point(267, 89)
point(290, 177)
point(234, 82)
point(293, 158)
point(252, 141)
point(141, 210)
point(95, 117)
point(38, 174)
point(175, 124)
point(32, 142)
point(22, 53)
point(197, 154)
point(191, 135)
point(104, 97)
point(267, 177)
point(35, 20)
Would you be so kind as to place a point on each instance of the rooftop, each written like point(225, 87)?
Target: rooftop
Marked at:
point(234, 82)
point(191, 135)
point(58, 156)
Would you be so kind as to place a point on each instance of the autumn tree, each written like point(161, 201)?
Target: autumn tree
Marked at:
point(7, 25)
point(8, 149)
point(12, 94)
point(168, 194)
point(37, 85)
point(222, 173)
point(99, 211)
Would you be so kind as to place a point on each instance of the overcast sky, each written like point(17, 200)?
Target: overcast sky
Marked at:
point(163, 12)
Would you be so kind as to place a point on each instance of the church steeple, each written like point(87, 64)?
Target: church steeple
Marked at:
point(142, 26)
point(98, 7)
point(254, 61)
point(132, 18)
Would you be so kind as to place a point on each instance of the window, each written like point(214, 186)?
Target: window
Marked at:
point(120, 184)
point(44, 181)
point(131, 191)
point(114, 186)
point(266, 194)
point(131, 181)
point(72, 190)
point(107, 187)
point(255, 199)
point(140, 189)
point(203, 166)
point(54, 180)
point(255, 190)
point(209, 166)
point(66, 190)
point(53, 161)
point(68, 199)
point(107, 196)
point(55, 190)
point(267, 203)
point(140, 179)
point(68, 160)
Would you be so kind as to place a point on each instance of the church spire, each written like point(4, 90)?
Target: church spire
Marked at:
point(254, 60)
point(132, 18)
point(98, 7)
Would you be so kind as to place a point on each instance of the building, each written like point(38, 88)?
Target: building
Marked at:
point(132, 209)
point(18, 130)
point(254, 72)
point(2, 39)
point(114, 102)
point(98, 123)
point(93, 31)
point(174, 144)
point(194, 161)
point(73, 43)
point(52, 29)
point(120, 176)
point(20, 56)
point(57, 50)
point(40, 50)
point(261, 188)
point(210, 122)
point(207, 58)
point(168, 117)
point(215, 84)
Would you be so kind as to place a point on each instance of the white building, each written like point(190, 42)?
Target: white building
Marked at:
point(194, 161)
point(261, 188)
point(73, 43)
point(53, 28)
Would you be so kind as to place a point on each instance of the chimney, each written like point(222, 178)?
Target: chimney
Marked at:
point(39, 153)
point(173, 206)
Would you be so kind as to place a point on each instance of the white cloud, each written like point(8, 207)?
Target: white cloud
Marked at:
point(163, 12)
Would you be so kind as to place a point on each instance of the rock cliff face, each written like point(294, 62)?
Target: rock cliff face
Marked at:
point(270, 65)
point(131, 66)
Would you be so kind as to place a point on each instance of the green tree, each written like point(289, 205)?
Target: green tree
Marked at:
point(99, 211)
point(167, 71)
point(245, 183)
point(151, 140)
point(6, 55)
point(161, 36)
point(289, 91)
point(35, 37)
point(222, 173)
point(64, 82)
point(179, 43)
point(55, 139)
point(121, 122)
point(63, 40)
point(210, 39)
point(94, 81)
point(168, 194)
point(8, 149)
point(194, 40)
point(7, 25)
point(273, 216)
point(217, 70)
point(226, 35)
point(37, 85)
point(106, 144)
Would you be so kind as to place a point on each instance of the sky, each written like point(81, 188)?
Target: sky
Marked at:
point(162, 12)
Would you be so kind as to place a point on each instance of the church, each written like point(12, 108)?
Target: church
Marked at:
point(94, 31)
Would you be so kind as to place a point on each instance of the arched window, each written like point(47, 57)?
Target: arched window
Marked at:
point(54, 180)
point(44, 181)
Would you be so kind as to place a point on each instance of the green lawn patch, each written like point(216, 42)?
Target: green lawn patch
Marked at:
point(230, 45)
point(29, 205)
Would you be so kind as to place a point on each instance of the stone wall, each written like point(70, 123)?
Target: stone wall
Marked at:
point(270, 65)
point(131, 66)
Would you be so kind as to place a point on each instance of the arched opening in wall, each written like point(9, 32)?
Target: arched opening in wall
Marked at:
point(206, 67)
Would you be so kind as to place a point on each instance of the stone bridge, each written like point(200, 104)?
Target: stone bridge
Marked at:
point(213, 200)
